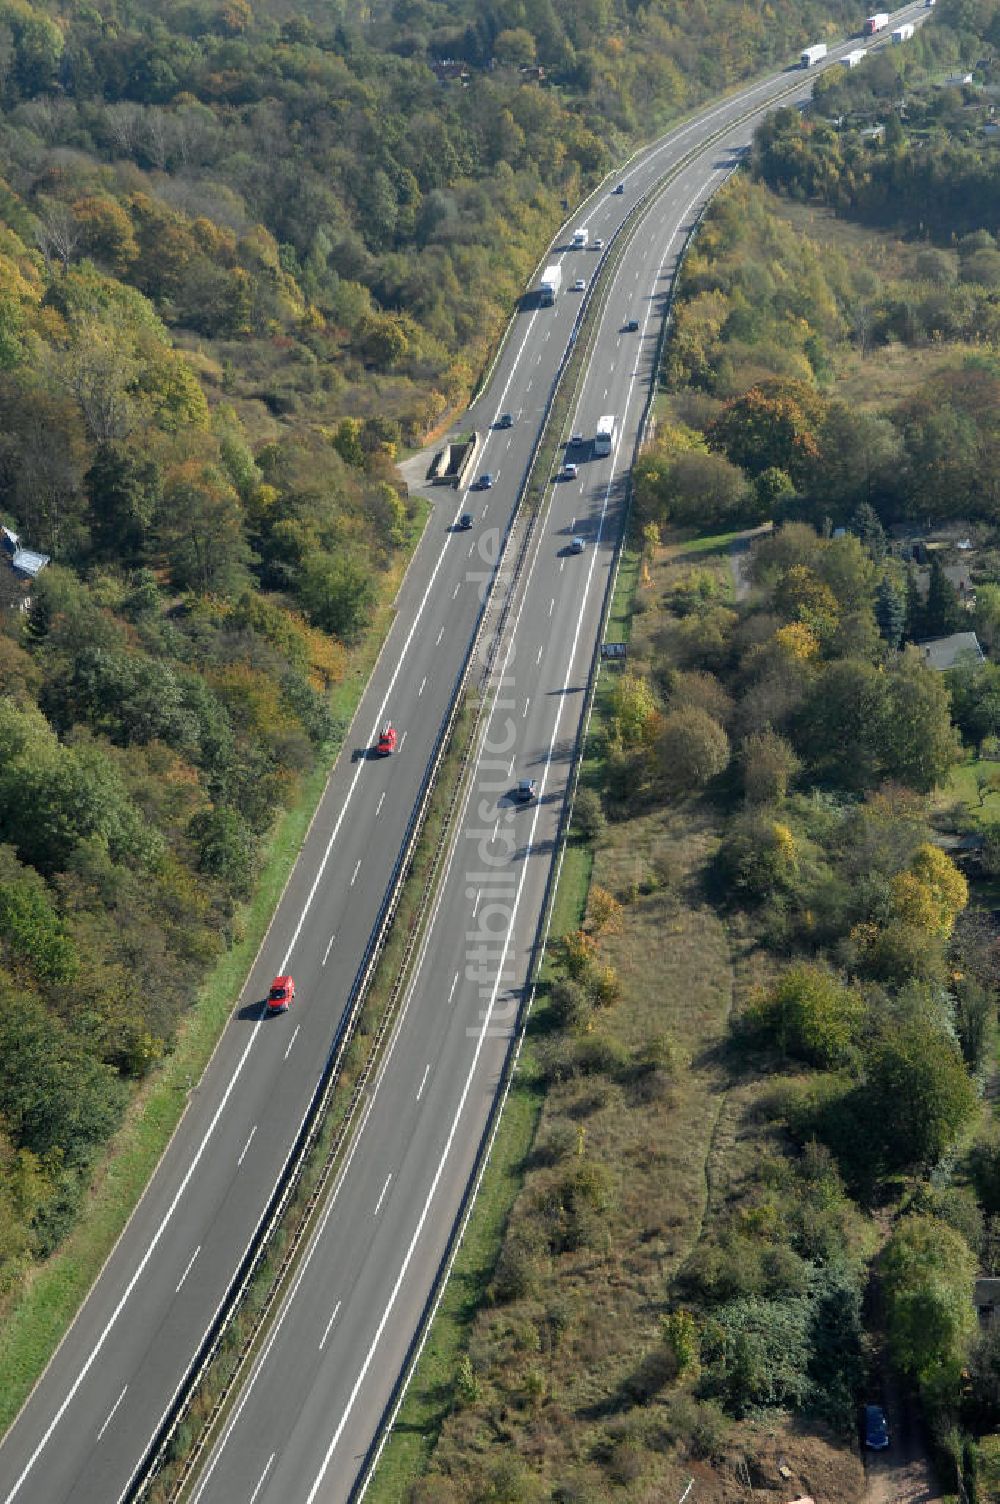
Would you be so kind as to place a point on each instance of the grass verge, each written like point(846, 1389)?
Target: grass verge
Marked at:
point(36, 1319)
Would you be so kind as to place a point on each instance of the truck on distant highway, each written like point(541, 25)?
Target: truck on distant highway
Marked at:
point(604, 438)
point(902, 33)
point(852, 59)
point(579, 241)
point(813, 55)
point(548, 287)
point(876, 23)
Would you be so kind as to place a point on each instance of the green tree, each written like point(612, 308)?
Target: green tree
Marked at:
point(705, 491)
point(30, 928)
point(123, 492)
point(911, 733)
point(813, 1016)
point(890, 611)
point(54, 796)
point(201, 524)
point(338, 593)
point(867, 524)
point(775, 493)
point(227, 848)
point(918, 1097)
point(53, 1096)
point(632, 710)
point(768, 764)
point(942, 611)
point(927, 1275)
point(693, 748)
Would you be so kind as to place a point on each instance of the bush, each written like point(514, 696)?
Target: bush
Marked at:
point(700, 1426)
point(757, 857)
point(693, 749)
point(588, 814)
point(757, 1353)
point(570, 1003)
point(516, 1270)
point(811, 1015)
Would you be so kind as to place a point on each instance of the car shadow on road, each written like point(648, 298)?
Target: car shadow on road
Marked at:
point(251, 1012)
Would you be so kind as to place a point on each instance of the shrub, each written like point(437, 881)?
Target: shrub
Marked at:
point(693, 749)
point(570, 1003)
point(588, 814)
point(812, 1015)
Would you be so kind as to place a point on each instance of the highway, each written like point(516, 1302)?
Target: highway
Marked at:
point(312, 1403)
point(311, 1409)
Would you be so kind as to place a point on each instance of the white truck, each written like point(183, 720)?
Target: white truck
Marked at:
point(813, 55)
point(548, 287)
point(604, 438)
point(876, 23)
point(902, 33)
point(852, 59)
point(579, 241)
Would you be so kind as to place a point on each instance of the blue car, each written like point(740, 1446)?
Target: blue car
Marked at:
point(876, 1429)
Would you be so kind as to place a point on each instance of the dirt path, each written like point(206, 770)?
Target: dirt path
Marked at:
point(739, 558)
point(902, 1475)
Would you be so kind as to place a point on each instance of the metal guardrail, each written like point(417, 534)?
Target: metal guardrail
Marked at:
point(316, 1112)
point(315, 1115)
point(545, 917)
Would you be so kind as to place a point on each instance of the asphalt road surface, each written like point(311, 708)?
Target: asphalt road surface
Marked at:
point(311, 1410)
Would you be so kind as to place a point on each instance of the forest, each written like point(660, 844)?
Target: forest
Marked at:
point(247, 254)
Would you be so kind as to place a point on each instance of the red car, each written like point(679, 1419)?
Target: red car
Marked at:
point(280, 997)
point(387, 740)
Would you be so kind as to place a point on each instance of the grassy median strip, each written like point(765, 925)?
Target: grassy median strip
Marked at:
point(36, 1319)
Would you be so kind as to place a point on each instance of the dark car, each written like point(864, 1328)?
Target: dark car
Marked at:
point(525, 791)
point(485, 481)
point(620, 188)
point(507, 421)
point(465, 522)
point(281, 995)
point(876, 1429)
point(631, 326)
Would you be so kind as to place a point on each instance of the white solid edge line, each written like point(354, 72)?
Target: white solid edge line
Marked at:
point(258, 1367)
point(158, 1234)
point(248, 1388)
point(317, 1485)
point(250, 1043)
point(487, 1016)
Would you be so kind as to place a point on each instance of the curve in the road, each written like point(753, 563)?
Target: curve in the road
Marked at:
point(304, 1422)
point(94, 1411)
